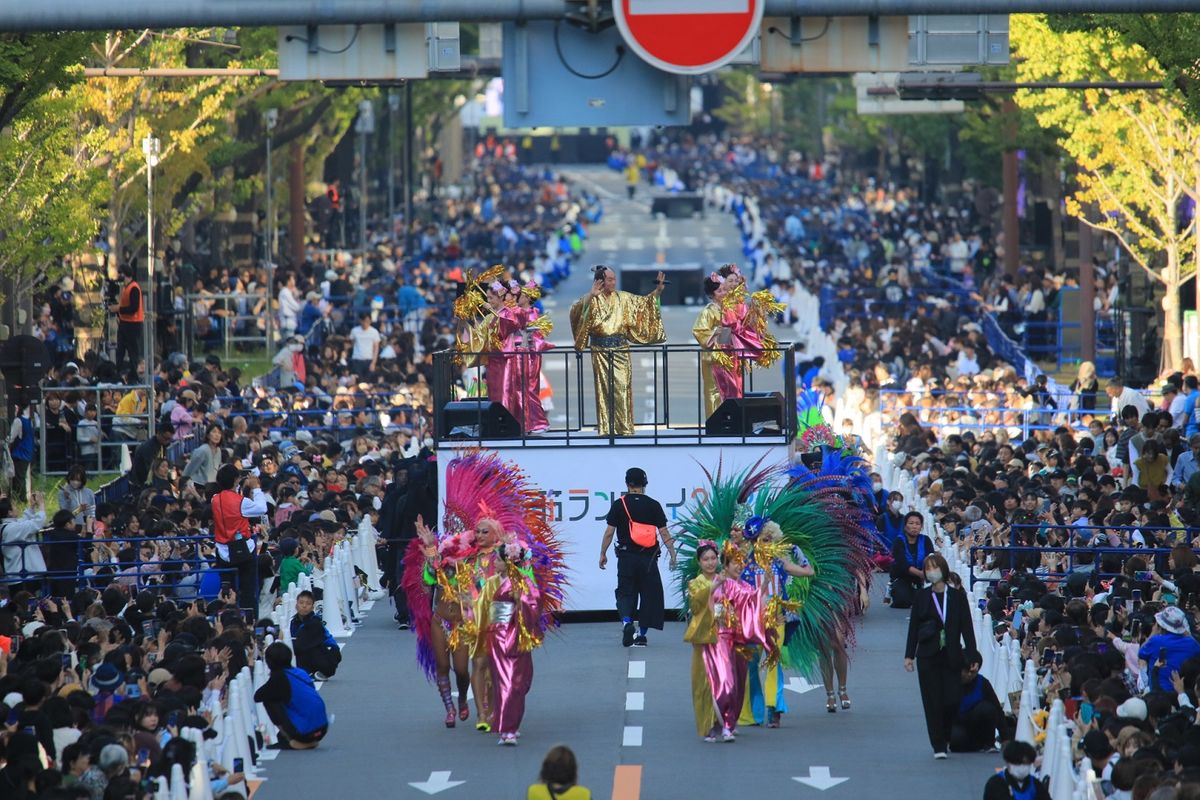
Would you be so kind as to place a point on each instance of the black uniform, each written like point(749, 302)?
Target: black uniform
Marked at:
point(639, 586)
point(938, 648)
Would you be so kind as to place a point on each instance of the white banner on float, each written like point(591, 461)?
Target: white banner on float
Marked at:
point(581, 485)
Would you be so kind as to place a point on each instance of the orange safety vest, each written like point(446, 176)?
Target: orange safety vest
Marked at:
point(227, 517)
point(137, 315)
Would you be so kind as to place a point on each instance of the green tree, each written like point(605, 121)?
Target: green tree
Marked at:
point(1136, 151)
point(47, 192)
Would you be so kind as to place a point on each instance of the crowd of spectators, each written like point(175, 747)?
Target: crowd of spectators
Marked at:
point(123, 613)
point(1076, 509)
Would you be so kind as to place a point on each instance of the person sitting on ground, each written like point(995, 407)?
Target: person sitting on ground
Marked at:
point(291, 701)
point(316, 650)
point(979, 714)
point(558, 776)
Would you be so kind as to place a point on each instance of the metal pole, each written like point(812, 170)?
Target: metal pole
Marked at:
point(151, 149)
point(1011, 178)
point(272, 116)
point(393, 103)
point(362, 192)
point(408, 169)
point(1087, 294)
point(55, 15)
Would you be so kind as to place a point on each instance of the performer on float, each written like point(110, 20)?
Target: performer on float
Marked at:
point(487, 332)
point(802, 551)
point(710, 334)
point(608, 321)
point(503, 577)
point(526, 369)
point(750, 344)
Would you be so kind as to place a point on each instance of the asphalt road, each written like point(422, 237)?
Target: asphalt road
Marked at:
point(620, 709)
point(626, 713)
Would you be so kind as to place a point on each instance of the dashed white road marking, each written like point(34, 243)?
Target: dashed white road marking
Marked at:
point(635, 701)
point(637, 669)
point(632, 736)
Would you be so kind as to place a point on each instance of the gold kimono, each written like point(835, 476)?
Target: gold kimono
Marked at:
point(701, 631)
point(708, 321)
point(608, 324)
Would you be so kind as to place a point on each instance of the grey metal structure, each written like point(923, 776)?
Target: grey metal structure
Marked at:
point(114, 14)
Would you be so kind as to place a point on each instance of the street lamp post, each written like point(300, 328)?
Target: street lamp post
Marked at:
point(151, 148)
point(364, 126)
point(271, 118)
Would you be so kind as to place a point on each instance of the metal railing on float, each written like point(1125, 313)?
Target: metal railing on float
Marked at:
point(667, 396)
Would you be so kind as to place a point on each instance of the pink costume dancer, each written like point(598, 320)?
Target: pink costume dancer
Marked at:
point(506, 332)
point(514, 629)
point(748, 342)
point(738, 610)
point(526, 369)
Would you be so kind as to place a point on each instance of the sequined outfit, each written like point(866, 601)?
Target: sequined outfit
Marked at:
point(707, 322)
point(701, 633)
point(522, 379)
point(739, 613)
point(608, 324)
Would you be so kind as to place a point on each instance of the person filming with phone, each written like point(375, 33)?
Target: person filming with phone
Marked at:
point(1169, 646)
point(233, 514)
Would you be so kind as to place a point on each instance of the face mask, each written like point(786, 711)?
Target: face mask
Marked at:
point(896, 503)
point(877, 485)
point(933, 575)
point(296, 348)
point(76, 484)
point(1019, 771)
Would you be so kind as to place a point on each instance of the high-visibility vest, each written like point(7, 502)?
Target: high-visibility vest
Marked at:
point(137, 315)
point(228, 521)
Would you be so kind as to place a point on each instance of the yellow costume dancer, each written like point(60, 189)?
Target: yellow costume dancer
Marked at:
point(701, 632)
point(608, 321)
point(705, 326)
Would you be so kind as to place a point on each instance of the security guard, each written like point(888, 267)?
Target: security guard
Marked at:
point(130, 320)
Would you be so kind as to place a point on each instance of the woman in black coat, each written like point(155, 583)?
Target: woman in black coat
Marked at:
point(939, 632)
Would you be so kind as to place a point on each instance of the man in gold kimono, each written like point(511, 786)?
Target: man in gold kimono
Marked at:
point(608, 321)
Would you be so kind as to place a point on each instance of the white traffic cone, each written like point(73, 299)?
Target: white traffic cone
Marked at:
point(179, 789)
point(334, 604)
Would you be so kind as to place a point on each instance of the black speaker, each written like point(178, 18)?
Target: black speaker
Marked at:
point(755, 413)
point(24, 360)
point(478, 419)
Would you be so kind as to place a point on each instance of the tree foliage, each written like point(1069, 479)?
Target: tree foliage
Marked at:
point(1136, 151)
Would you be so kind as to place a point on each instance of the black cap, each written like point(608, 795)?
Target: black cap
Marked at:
point(636, 477)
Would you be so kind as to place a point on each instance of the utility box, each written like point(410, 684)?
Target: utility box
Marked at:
point(445, 51)
point(390, 52)
point(957, 39)
point(561, 76)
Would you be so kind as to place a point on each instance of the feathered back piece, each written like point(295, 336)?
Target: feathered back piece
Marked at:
point(474, 297)
point(481, 485)
point(827, 528)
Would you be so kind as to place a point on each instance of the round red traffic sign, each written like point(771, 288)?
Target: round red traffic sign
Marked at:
point(688, 36)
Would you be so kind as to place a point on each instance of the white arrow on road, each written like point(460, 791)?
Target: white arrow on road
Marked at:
point(440, 782)
point(818, 778)
point(799, 685)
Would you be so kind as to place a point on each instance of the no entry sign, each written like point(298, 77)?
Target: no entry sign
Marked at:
point(688, 36)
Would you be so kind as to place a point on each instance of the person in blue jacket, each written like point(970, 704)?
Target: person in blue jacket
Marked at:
point(1169, 645)
point(317, 652)
point(291, 701)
